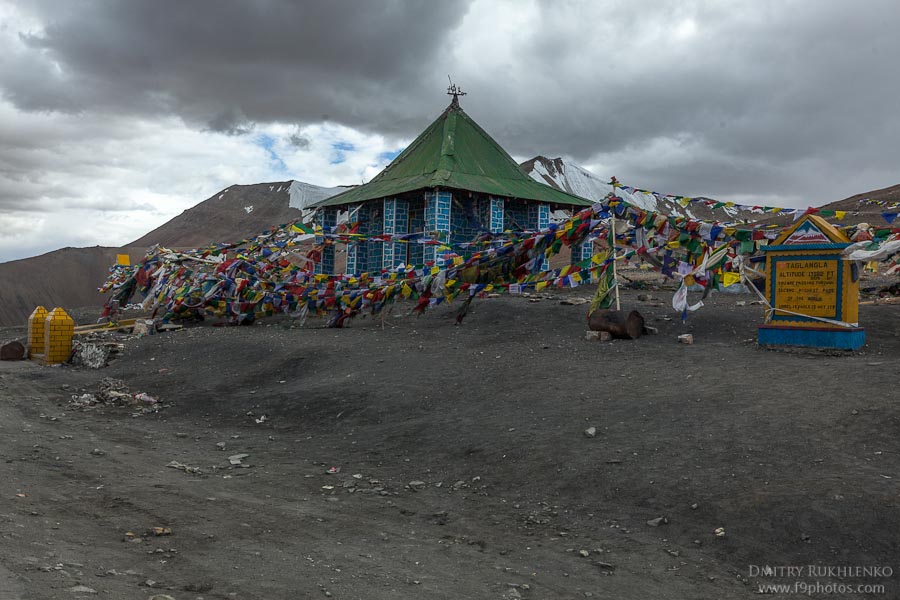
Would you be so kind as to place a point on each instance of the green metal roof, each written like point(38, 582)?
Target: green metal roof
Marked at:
point(454, 153)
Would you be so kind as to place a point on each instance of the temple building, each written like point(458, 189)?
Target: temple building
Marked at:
point(453, 183)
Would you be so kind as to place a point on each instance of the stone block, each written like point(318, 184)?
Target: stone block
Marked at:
point(12, 351)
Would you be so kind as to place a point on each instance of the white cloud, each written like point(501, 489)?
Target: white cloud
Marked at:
point(737, 101)
point(76, 180)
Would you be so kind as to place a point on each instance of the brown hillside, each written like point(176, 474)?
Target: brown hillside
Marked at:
point(858, 211)
point(68, 277)
point(223, 217)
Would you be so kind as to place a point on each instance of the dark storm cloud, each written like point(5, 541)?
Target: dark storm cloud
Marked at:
point(224, 63)
point(765, 95)
point(795, 99)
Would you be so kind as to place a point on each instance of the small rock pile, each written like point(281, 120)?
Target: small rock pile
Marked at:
point(114, 392)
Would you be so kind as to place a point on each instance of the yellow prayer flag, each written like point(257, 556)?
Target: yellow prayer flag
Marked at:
point(729, 278)
point(435, 270)
point(840, 214)
point(540, 285)
point(123, 260)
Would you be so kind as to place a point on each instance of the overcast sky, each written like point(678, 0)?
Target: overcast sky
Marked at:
point(116, 116)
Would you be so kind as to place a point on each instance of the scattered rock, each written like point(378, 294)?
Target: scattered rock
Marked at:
point(584, 553)
point(574, 301)
point(605, 336)
point(236, 459)
point(658, 521)
point(620, 325)
point(592, 335)
point(686, 338)
point(91, 356)
point(650, 330)
point(98, 452)
point(720, 532)
point(12, 351)
point(220, 445)
point(416, 485)
point(161, 597)
point(114, 392)
point(183, 467)
point(590, 432)
point(82, 589)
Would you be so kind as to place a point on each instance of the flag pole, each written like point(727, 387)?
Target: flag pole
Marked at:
point(612, 239)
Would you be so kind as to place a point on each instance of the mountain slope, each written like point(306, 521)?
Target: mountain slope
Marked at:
point(237, 212)
point(570, 178)
point(557, 173)
point(860, 208)
point(68, 277)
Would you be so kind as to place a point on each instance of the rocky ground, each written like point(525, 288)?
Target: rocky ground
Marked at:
point(418, 459)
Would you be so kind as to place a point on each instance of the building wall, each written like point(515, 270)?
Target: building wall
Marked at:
point(467, 221)
point(437, 214)
point(437, 223)
point(515, 215)
point(358, 253)
point(375, 226)
point(415, 251)
point(496, 213)
point(327, 219)
point(396, 221)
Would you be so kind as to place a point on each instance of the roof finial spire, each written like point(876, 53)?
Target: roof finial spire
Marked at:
point(454, 91)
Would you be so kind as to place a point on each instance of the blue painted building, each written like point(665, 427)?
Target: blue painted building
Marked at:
point(453, 183)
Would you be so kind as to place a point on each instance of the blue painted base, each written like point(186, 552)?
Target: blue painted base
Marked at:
point(814, 337)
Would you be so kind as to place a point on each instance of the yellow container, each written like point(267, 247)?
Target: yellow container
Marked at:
point(36, 331)
point(59, 329)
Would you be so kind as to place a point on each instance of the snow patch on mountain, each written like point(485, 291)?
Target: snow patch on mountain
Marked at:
point(303, 195)
point(570, 178)
point(579, 181)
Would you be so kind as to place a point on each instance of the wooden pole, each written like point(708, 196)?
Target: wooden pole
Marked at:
point(612, 237)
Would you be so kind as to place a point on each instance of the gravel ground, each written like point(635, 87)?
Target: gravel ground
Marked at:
point(460, 463)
